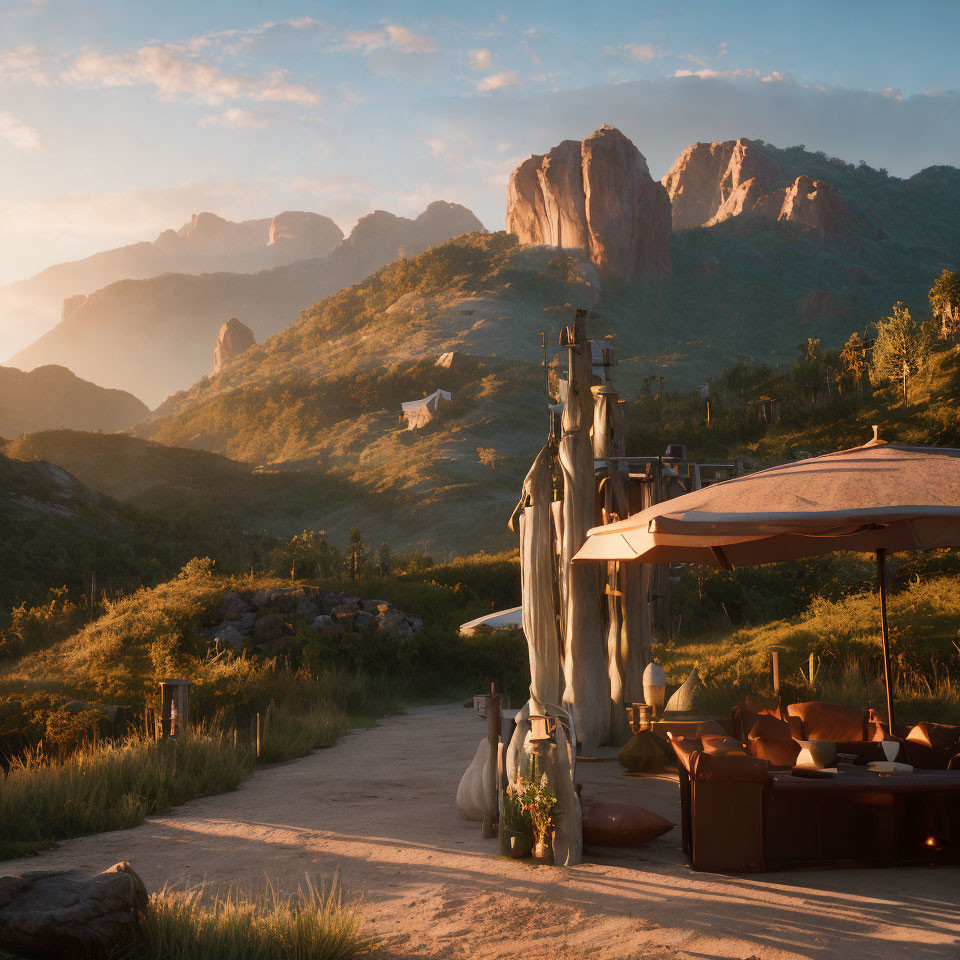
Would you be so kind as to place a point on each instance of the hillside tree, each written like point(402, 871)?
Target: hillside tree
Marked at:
point(945, 304)
point(853, 357)
point(902, 347)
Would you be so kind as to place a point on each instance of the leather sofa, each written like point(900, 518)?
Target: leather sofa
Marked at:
point(740, 815)
point(771, 736)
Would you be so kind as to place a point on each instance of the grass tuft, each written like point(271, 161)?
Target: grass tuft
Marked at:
point(312, 924)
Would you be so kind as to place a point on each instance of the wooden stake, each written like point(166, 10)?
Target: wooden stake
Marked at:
point(775, 667)
point(812, 669)
point(259, 734)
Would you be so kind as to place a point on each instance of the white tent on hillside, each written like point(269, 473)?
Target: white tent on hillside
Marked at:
point(420, 412)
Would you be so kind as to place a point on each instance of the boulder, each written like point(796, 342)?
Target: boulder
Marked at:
point(363, 619)
point(307, 608)
point(59, 914)
point(326, 626)
point(262, 598)
point(269, 628)
point(595, 195)
point(374, 606)
point(233, 606)
point(416, 624)
point(394, 623)
point(232, 340)
point(231, 637)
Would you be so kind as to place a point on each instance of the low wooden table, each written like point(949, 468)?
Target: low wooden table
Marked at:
point(862, 817)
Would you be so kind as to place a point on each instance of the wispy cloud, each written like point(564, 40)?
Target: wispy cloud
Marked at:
point(236, 117)
point(178, 73)
point(392, 35)
point(481, 59)
point(641, 52)
point(20, 134)
point(24, 64)
point(498, 81)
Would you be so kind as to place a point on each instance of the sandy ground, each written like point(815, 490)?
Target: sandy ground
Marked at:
point(381, 807)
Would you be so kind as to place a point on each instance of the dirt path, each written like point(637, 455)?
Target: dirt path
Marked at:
point(381, 806)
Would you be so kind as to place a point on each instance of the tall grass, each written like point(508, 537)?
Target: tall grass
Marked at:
point(311, 924)
point(110, 786)
point(844, 637)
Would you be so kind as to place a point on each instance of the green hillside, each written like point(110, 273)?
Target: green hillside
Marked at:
point(322, 397)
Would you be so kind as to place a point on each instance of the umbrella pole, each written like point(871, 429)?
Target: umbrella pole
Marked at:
point(884, 633)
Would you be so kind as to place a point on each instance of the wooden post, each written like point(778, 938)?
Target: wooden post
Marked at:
point(812, 669)
point(775, 667)
point(494, 723)
point(93, 592)
point(259, 734)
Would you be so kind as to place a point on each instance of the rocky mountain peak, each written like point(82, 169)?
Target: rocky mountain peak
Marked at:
point(233, 339)
point(711, 182)
point(303, 235)
point(595, 195)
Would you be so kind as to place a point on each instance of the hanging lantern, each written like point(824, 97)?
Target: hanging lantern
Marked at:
point(654, 686)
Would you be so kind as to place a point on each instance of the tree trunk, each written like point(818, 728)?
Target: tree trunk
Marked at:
point(536, 573)
point(586, 682)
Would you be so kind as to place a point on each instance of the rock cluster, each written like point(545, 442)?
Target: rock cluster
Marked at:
point(261, 621)
point(713, 182)
point(595, 195)
point(233, 339)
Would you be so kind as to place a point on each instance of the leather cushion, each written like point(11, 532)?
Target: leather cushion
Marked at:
point(779, 751)
point(607, 824)
point(770, 739)
point(940, 736)
point(721, 746)
point(829, 721)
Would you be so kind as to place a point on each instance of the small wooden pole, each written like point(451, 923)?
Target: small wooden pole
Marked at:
point(489, 826)
point(812, 669)
point(259, 734)
point(234, 736)
point(775, 667)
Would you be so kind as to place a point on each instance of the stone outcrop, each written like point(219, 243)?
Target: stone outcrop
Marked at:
point(59, 914)
point(815, 206)
point(595, 195)
point(233, 339)
point(713, 182)
point(303, 235)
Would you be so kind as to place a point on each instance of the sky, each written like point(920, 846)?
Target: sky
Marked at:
point(121, 118)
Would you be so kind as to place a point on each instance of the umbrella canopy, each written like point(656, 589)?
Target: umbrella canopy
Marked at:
point(880, 497)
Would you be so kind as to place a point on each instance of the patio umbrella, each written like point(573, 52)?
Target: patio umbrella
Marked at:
point(880, 497)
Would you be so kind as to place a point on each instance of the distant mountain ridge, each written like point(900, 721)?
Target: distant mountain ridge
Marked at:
point(156, 335)
point(206, 242)
point(52, 397)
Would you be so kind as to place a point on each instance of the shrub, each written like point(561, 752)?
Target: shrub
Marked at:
point(34, 627)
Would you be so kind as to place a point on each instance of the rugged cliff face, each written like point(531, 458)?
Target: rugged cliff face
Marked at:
point(596, 195)
point(712, 182)
point(233, 339)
